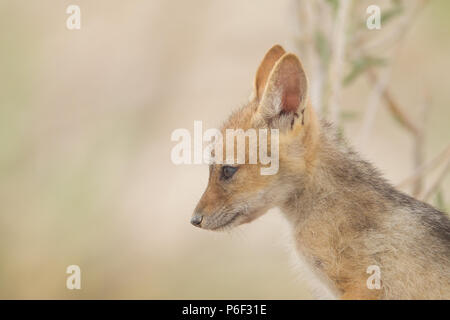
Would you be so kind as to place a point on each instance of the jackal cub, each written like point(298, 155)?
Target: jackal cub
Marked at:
point(345, 217)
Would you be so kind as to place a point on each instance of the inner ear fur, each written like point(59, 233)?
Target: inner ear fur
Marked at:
point(286, 91)
point(264, 69)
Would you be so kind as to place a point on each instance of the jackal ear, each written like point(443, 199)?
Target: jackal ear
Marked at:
point(285, 96)
point(263, 72)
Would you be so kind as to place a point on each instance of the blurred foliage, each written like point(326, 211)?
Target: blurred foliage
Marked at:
point(322, 47)
point(396, 10)
point(334, 4)
point(439, 201)
point(361, 65)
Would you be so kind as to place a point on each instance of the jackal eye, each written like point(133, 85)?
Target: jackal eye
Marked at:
point(228, 172)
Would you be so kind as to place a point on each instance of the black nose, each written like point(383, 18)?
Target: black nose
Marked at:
point(196, 219)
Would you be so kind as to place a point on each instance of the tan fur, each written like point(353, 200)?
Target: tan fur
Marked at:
point(345, 217)
point(263, 72)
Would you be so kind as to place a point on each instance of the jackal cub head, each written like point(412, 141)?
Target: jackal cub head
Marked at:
point(240, 191)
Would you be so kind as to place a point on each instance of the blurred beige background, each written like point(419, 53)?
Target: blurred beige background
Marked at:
point(85, 124)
